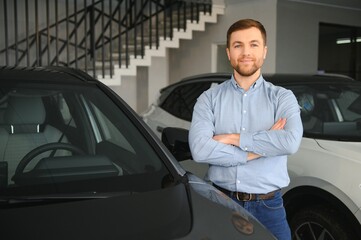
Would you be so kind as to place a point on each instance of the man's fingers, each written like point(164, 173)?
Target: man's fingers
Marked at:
point(279, 124)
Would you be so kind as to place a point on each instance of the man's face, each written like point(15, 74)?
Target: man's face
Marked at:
point(247, 51)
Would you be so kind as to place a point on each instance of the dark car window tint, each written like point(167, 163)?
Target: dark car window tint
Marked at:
point(181, 100)
point(330, 110)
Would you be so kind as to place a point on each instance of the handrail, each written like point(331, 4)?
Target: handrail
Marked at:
point(82, 34)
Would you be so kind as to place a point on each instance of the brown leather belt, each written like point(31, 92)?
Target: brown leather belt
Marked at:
point(245, 197)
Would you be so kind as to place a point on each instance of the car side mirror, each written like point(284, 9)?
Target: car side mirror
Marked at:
point(176, 140)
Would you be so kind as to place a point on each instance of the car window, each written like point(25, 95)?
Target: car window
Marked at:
point(109, 131)
point(181, 100)
point(59, 138)
point(330, 110)
point(349, 105)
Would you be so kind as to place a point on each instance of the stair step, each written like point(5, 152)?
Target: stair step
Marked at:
point(149, 37)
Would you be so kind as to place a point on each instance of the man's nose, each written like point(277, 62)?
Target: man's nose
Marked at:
point(246, 51)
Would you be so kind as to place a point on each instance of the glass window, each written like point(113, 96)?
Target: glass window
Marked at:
point(182, 99)
point(59, 138)
point(330, 110)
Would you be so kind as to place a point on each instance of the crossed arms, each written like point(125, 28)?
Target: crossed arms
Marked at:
point(234, 138)
point(232, 149)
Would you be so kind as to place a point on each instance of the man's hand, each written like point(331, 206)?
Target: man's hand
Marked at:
point(233, 138)
point(279, 125)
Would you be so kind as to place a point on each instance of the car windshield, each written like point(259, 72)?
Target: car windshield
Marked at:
point(330, 110)
point(68, 139)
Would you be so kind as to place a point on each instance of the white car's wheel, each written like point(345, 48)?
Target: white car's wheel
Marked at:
point(317, 224)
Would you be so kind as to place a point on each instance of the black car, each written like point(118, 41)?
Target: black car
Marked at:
point(76, 162)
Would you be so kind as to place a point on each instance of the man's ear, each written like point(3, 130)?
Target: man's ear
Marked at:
point(265, 52)
point(227, 51)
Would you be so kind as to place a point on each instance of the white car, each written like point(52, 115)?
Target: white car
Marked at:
point(323, 199)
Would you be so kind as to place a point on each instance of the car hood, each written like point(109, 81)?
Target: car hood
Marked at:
point(176, 212)
point(126, 216)
point(216, 216)
point(350, 150)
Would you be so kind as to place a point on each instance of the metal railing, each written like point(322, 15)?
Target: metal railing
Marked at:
point(88, 34)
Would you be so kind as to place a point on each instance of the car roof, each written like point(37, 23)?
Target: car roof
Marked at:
point(49, 74)
point(278, 79)
point(285, 79)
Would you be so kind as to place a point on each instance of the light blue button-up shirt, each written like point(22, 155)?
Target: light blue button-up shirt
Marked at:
point(227, 108)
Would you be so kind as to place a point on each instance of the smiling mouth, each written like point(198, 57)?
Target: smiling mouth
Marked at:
point(244, 60)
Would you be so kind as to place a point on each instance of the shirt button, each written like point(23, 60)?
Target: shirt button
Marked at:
point(246, 148)
point(238, 181)
point(245, 94)
point(244, 111)
point(243, 129)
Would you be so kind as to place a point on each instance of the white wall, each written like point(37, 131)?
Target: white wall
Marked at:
point(128, 90)
point(298, 30)
point(195, 56)
point(158, 76)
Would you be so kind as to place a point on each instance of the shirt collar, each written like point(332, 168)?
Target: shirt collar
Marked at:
point(255, 85)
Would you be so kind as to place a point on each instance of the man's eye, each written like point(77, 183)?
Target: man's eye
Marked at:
point(254, 45)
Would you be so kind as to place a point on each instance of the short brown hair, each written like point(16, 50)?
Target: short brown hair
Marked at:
point(246, 24)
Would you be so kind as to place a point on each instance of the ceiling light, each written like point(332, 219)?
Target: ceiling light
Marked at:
point(348, 40)
point(343, 41)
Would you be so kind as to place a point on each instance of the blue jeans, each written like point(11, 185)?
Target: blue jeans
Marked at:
point(271, 213)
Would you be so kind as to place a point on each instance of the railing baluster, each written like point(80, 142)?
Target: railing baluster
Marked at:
point(142, 29)
point(192, 13)
point(127, 33)
point(197, 12)
point(170, 14)
point(67, 32)
point(56, 33)
point(76, 34)
point(85, 37)
point(27, 32)
point(164, 22)
point(16, 32)
point(37, 42)
point(120, 34)
point(6, 33)
point(102, 38)
point(184, 16)
point(157, 25)
point(48, 31)
point(135, 29)
point(92, 37)
point(111, 38)
point(178, 15)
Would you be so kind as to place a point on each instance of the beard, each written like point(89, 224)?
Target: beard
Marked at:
point(246, 71)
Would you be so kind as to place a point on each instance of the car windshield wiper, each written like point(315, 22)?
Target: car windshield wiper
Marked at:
point(14, 201)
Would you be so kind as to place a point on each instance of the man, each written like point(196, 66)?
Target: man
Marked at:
point(244, 129)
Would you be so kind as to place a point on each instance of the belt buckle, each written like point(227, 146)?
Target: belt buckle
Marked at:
point(244, 200)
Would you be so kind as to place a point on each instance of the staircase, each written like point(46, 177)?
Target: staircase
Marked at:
point(164, 44)
point(108, 39)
